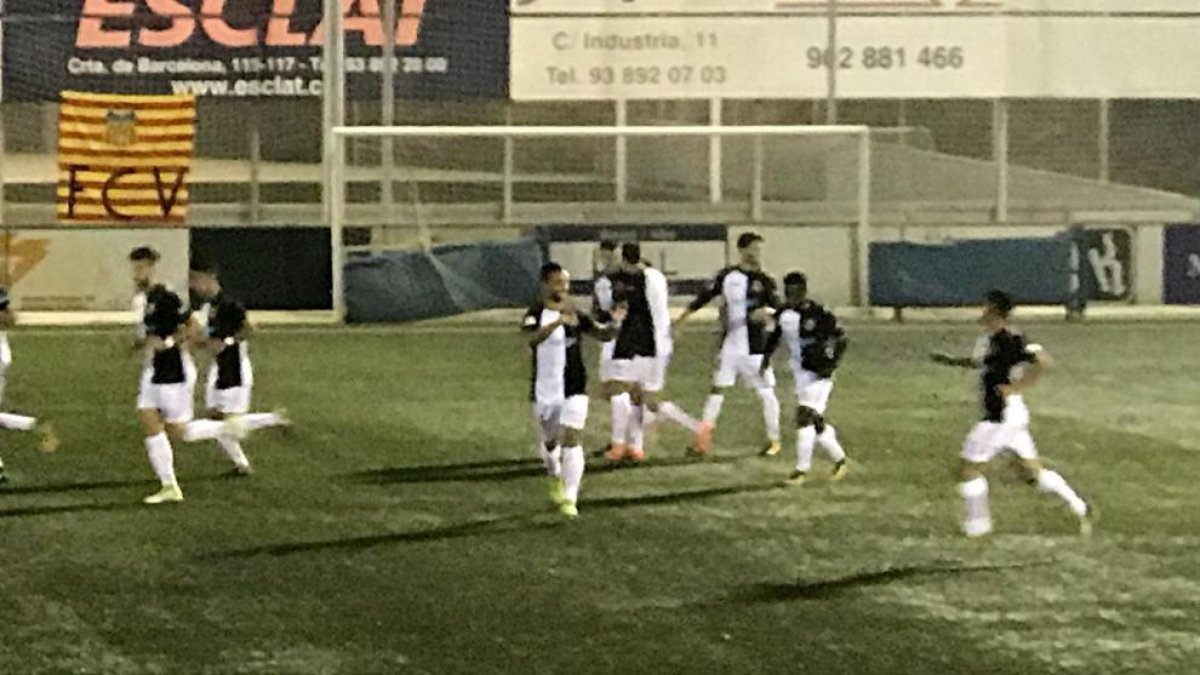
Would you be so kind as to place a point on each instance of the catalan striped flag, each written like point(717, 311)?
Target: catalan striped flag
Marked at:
point(124, 159)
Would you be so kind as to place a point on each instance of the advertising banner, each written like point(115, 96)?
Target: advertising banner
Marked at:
point(85, 270)
point(1181, 264)
point(255, 48)
point(923, 55)
point(551, 7)
point(689, 255)
point(1106, 257)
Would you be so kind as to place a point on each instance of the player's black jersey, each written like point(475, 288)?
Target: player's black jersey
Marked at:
point(558, 371)
point(165, 313)
point(743, 292)
point(226, 319)
point(637, 330)
point(813, 334)
point(1006, 350)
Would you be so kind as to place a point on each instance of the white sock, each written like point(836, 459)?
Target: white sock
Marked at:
point(158, 447)
point(829, 441)
point(978, 520)
point(573, 464)
point(203, 430)
point(712, 408)
point(770, 404)
point(622, 409)
point(254, 421)
point(234, 449)
point(17, 422)
point(1051, 482)
point(674, 413)
point(649, 419)
point(552, 460)
point(636, 437)
point(806, 438)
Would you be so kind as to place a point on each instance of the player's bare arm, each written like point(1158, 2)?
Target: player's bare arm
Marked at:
point(942, 358)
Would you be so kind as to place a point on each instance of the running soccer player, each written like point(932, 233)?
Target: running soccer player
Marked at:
point(559, 382)
point(644, 377)
point(230, 376)
point(1009, 366)
point(48, 441)
point(750, 302)
point(816, 344)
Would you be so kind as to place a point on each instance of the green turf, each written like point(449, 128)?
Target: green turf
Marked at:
point(404, 527)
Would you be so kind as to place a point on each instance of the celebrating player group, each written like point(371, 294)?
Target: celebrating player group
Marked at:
point(631, 317)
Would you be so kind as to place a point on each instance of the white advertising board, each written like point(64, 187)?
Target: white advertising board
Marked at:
point(68, 270)
point(686, 57)
point(697, 7)
point(924, 56)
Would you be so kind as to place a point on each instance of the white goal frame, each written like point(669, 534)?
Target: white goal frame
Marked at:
point(335, 189)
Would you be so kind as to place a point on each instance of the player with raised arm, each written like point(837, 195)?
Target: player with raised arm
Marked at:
point(1009, 367)
point(49, 440)
point(226, 329)
point(750, 301)
point(644, 377)
point(559, 382)
point(816, 343)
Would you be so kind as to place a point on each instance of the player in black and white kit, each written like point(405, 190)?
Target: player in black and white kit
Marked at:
point(816, 343)
point(164, 400)
point(559, 382)
point(227, 392)
point(49, 440)
point(750, 301)
point(642, 356)
point(1009, 366)
point(608, 262)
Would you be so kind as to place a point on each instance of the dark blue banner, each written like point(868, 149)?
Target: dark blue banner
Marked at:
point(1181, 265)
point(1035, 271)
point(249, 48)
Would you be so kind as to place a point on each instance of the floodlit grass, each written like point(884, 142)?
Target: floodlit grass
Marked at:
point(404, 526)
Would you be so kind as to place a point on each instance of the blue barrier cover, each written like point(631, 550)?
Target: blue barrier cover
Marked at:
point(1034, 271)
point(449, 280)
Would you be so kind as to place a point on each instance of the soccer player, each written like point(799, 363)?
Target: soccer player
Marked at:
point(1009, 366)
point(602, 306)
point(48, 441)
point(816, 343)
point(750, 302)
point(230, 376)
point(559, 382)
point(643, 377)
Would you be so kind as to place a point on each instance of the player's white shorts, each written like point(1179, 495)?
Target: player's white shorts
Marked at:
point(989, 439)
point(649, 372)
point(551, 416)
point(812, 390)
point(606, 361)
point(735, 365)
point(233, 400)
point(174, 401)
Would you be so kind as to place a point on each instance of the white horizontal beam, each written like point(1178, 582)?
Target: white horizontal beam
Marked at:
point(594, 131)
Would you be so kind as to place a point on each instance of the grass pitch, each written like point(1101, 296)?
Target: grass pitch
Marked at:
point(404, 526)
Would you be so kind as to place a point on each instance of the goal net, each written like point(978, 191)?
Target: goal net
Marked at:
point(412, 187)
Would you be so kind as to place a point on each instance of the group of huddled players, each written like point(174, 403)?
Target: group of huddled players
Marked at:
point(631, 317)
point(168, 331)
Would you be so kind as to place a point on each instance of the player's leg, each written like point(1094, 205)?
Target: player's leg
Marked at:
point(48, 438)
point(813, 392)
point(624, 379)
point(806, 439)
point(573, 421)
point(1048, 481)
point(161, 455)
point(548, 416)
point(229, 406)
point(762, 381)
point(979, 449)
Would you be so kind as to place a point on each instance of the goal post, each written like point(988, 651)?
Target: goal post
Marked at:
point(523, 172)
